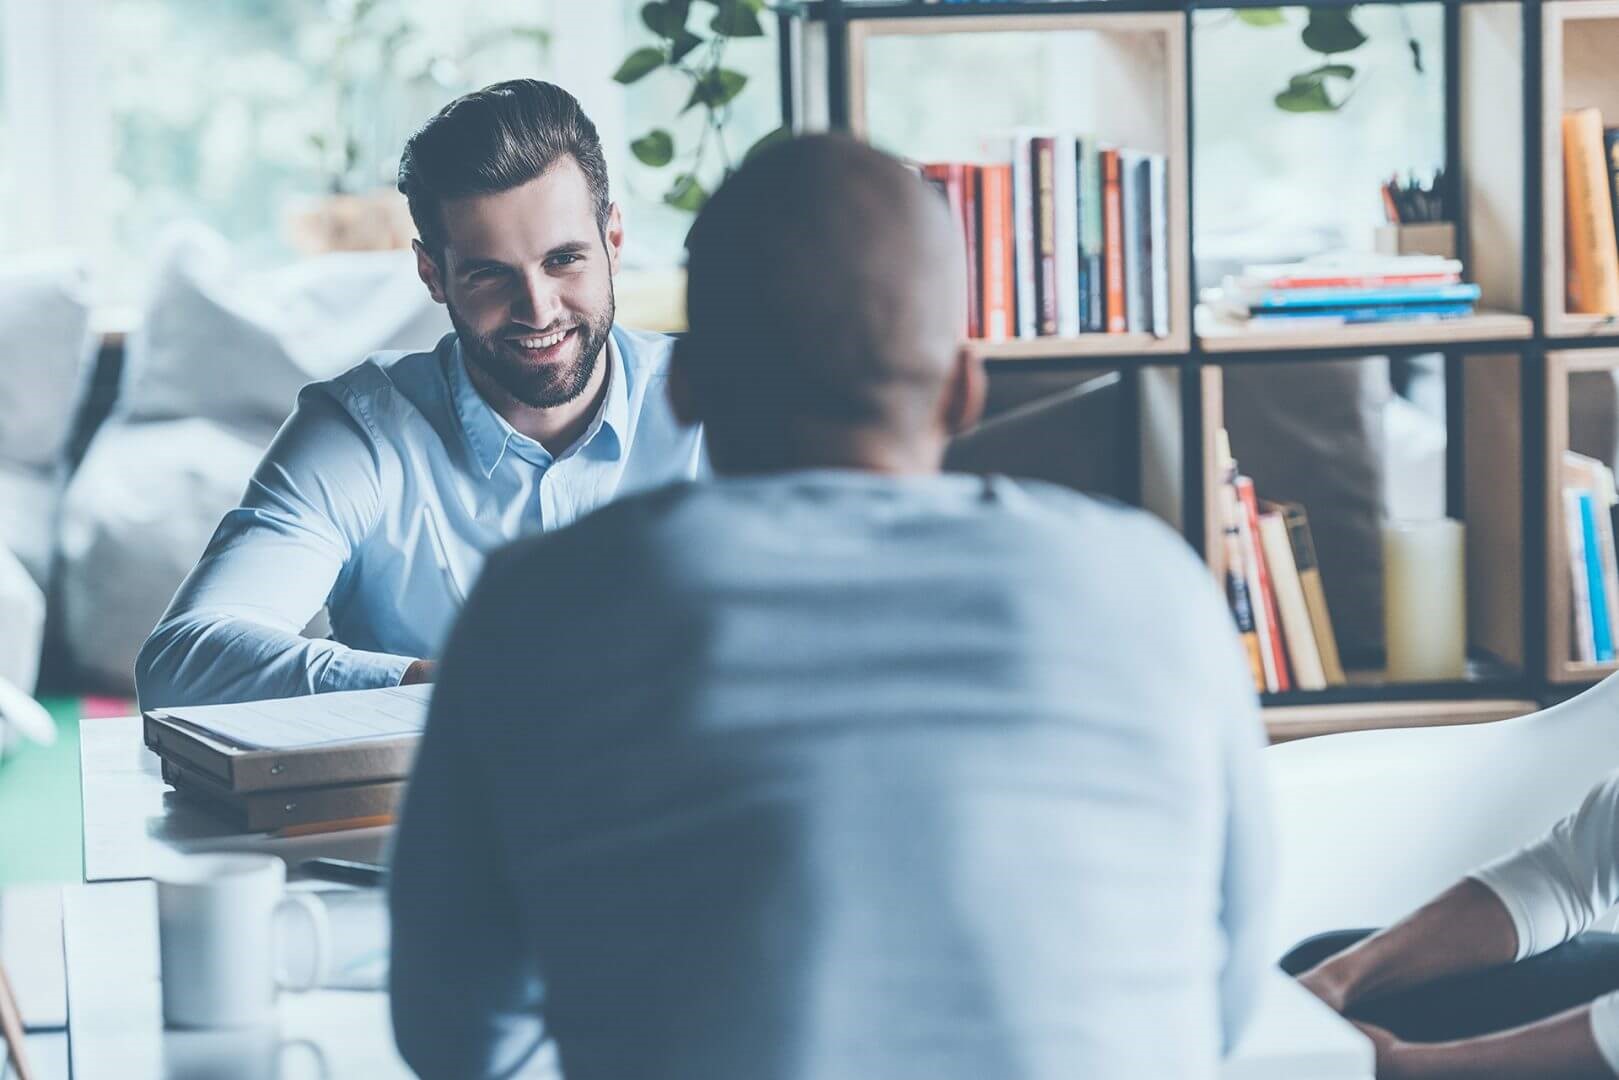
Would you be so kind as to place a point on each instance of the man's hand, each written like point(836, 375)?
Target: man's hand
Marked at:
point(1322, 981)
point(420, 671)
point(1393, 1054)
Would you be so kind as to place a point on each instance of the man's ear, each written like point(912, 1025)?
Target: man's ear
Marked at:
point(427, 270)
point(964, 393)
point(613, 237)
point(681, 398)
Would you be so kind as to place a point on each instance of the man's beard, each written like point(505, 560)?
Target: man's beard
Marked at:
point(544, 386)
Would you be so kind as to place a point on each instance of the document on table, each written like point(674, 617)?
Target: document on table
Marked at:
point(314, 719)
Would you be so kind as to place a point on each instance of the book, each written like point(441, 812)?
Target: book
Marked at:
point(958, 184)
point(1579, 578)
point(1286, 299)
point(1266, 620)
point(1088, 165)
point(265, 811)
point(1238, 591)
point(1134, 239)
point(945, 178)
point(1158, 245)
point(1369, 313)
point(1046, 283)
point(1347, 268)
point(1066, 190)
point(1596, 588)
point(1295, 615)
point(1315, 593)
point(996, 247)
point(1610, 148)
point(348, 737)
point(1593, 250)
point(1594, 482)
point(1023, 235)
point(1112, 243)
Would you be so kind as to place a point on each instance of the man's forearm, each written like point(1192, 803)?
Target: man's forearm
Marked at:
point(1561, 1047)
point(1466, 928)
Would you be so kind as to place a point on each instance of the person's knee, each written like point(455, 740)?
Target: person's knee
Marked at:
point(1312, 950)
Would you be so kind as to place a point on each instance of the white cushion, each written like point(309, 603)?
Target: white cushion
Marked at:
point(22, 623)
point(44, 343)
point(221, 343)
point(30, 497)
point(135, 517)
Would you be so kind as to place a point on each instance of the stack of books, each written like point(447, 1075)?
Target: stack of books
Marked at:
point(1589, 499)
point(1067, 236)
point(299, 765)
point(1343, 289)
point(1590, 207)
point(1273, 584)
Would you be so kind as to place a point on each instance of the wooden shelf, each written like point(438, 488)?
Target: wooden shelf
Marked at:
point(1218, 335)
point(1285, 723)
point(1099, 345)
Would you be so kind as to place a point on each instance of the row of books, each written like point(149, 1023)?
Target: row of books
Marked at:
point(1589, 501)
point(1273, 584)
point(1590, 208)
point(297, 765)
point(1344, 289)
point(1068, 237)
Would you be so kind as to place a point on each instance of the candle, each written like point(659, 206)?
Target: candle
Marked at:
point(1424, 600)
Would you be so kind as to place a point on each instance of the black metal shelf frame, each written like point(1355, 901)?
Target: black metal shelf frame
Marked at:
point(1528, 683)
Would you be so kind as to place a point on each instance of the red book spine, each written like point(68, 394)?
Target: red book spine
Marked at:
point(998, 271)
point(1273, 642)
point(1112, 242)
point(971, 177)
point(1362, 281)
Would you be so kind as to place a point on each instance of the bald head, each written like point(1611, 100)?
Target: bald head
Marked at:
point(824, 299)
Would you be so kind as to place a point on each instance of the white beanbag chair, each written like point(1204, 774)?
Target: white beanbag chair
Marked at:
point(44, 343)
point(29, 498)
point(22, 623)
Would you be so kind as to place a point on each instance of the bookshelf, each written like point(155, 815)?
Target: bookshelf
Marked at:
point(1510, 69)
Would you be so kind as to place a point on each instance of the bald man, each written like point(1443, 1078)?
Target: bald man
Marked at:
point(883, 773)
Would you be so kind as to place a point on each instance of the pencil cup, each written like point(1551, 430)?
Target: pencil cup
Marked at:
point(217, 937)
point(1423, 238)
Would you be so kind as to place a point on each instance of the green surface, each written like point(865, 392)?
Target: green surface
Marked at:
point(40, 834)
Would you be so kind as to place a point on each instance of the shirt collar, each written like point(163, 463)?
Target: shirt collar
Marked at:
point(490, 436)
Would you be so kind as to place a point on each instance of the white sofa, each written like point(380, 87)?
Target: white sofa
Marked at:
point(1370, 824)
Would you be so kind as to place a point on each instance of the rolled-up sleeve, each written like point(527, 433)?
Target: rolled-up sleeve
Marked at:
point(233, 630)
point(1559, 885)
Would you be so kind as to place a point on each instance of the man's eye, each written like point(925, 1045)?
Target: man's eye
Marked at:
point(487, 273)
point(565, 260)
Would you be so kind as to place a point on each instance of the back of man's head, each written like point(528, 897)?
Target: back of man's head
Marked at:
point(493, 140)
point(824, 303)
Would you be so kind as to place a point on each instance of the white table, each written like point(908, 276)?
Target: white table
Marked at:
point(131, 818)
point(116, 1005)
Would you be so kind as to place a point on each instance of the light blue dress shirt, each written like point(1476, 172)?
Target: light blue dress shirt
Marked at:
point(379, 499)
point(835, 775)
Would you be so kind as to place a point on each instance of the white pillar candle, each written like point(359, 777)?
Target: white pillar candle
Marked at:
point(1424, 600)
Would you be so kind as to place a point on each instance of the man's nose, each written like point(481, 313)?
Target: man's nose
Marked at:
point(537, 303)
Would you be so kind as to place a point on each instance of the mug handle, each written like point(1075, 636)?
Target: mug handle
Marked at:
point(320, 928)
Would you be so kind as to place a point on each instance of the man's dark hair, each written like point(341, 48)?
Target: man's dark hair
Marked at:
point(496, 139)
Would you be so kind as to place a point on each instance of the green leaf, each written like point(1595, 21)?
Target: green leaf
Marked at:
point(736, 19)
point(639, 64)
point(655, 148)
point(715, 88)
point(770, 139)
point(1330, 30)
point(686, 194)
point(666, 18)
point(1262, 17)
point(683, 45)
point(1325, 71)
point(1308, 98)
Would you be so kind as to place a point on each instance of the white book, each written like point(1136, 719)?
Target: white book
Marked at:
point(1065, 187)
point(1159, 182)
point(1023, 238)
point(1135, 300)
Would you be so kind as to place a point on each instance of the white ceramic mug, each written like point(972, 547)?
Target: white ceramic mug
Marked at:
point(217, 918)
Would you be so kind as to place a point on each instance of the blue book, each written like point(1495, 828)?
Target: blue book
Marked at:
point(1316, 298)
point(1365, 313)
point(1600, 628)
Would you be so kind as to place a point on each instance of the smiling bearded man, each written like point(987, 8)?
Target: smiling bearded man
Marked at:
point(387, 487)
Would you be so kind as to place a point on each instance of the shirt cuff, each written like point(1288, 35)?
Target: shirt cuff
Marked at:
point(356, 669)
point(1527, 888)
point(1605, 1028)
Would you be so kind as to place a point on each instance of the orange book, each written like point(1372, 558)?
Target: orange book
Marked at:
point(995, 247)
point(1266, 615)
point(1112, 243)
point(1593, 255)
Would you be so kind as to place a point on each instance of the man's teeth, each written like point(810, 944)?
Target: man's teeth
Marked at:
point(542, 342)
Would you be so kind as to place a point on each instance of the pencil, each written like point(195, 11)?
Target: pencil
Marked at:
point(11, 1029)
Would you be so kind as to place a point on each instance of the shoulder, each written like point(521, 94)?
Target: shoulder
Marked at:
point(645, 354)
point(375, 388)
point(1091, 527)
